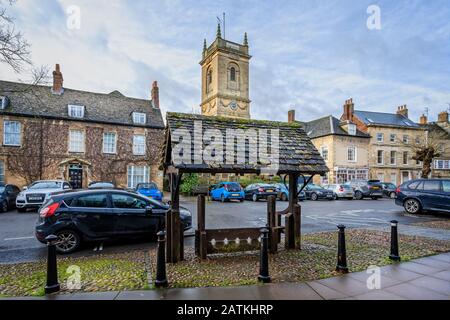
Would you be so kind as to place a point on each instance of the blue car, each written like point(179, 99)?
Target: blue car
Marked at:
point(225, 191)
point(283, 192)
point(424, 195)
point(149, 190)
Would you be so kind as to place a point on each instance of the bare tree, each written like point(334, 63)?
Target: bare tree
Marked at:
point(14, 48)
point(435, 145)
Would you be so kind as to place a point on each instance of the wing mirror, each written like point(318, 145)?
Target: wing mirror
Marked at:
point(148, 210)
point(25, 188)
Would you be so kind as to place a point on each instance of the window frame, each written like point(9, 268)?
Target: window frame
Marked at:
point(144, 145)
point(146, 175)
point(139, 117)
point(392, 137)
point(355, 156)
point(380, 137)
point(395, 157)
point(351, 129)
point(382, 156)
point(403, 157)
point(114, 145)
point(18, 134)
point(76, 108)
point(322, 149)
point(83, 143)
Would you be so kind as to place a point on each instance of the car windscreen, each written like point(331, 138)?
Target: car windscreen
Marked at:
point(313, 187)
point(46, 185)
point(101, 185)
point(346, 187)
point(147, 186)
point(233, 187)
point(373, 182)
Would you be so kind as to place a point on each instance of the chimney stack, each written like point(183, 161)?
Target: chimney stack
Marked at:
point(423, 119)
point(155, 94)
point(443, 117)
point(349, 108)
point(57, 81)
point(291, 116)
point(403, 110)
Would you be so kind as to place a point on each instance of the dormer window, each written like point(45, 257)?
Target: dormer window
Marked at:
point(351, 129)
point(76, 111)
point(139, 118)
point(4, 101)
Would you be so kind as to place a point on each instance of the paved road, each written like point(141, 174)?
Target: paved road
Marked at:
point(17, 242)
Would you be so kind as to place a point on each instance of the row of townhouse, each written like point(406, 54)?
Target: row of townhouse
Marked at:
point(52, 132)
point(375, 145)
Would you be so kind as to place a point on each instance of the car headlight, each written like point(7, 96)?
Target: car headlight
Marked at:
point(20, 194)
point(320, 192)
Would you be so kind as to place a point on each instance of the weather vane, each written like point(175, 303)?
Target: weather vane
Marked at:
point(222, 21)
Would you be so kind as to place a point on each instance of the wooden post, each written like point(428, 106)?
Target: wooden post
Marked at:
point(272, 224)
point(297, 226)
point(169, 236)
point(174, 229)
point(289, 235)
point(202, 244)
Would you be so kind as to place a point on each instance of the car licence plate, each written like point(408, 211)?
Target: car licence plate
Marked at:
point(235, 194)
point(329, 195)
point(35, 198)
point(269, 190)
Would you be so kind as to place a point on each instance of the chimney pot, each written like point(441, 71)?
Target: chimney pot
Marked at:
point(443, 117)
point(423, 119)
point(155, 94)
point(349, 108)
point(291, 116)
point(402, 110)
point(57, 87)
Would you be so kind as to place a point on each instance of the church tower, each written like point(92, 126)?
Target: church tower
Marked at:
point(225, 78)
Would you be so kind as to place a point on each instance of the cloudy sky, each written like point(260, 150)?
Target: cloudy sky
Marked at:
point(307, 55)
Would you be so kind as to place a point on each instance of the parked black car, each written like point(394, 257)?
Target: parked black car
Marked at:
point(389, 189)
point(258, 191)
point(366, 189)
point(315, 192)
point(99, 215)
point(424, 195)
point(8, 195)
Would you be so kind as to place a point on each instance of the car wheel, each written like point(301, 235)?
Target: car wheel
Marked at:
point(255, 197)
point(222, 198)
point(314, 197)
point(335, 197)
point(4, 206)
point(358, 195)
point(284, 197)
point(68, 241)
point(21, 210)
point(412, 206)
point(392, 195)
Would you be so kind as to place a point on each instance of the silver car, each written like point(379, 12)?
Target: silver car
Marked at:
point(36, 193)
point(341, 191)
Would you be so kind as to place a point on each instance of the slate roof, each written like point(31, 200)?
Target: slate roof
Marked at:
point(113, 108)
point(384, 119)
point(297, 154)
point(434, 127)
point(327, 126)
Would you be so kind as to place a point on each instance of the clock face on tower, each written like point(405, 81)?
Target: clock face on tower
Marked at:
point(233, 105)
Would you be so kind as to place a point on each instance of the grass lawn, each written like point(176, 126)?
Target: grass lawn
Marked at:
point(129, 271)
point(437, 224)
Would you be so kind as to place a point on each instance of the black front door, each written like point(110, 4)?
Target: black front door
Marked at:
point(76, 176)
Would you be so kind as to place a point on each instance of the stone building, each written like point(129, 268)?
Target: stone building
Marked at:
point(344, 148)
point(391, 143)
point(225, 78)
point(438, 133)
point(52, 132)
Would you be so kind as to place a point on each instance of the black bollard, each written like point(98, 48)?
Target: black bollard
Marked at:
point(342, 254)
point(52, 285)
point(264, 257)
point(161, 277)
point(394, 242)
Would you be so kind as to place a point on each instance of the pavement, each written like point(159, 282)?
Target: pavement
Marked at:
point(18, 244)
point(421, 279)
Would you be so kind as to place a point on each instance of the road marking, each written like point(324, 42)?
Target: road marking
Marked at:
point(19, 238)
